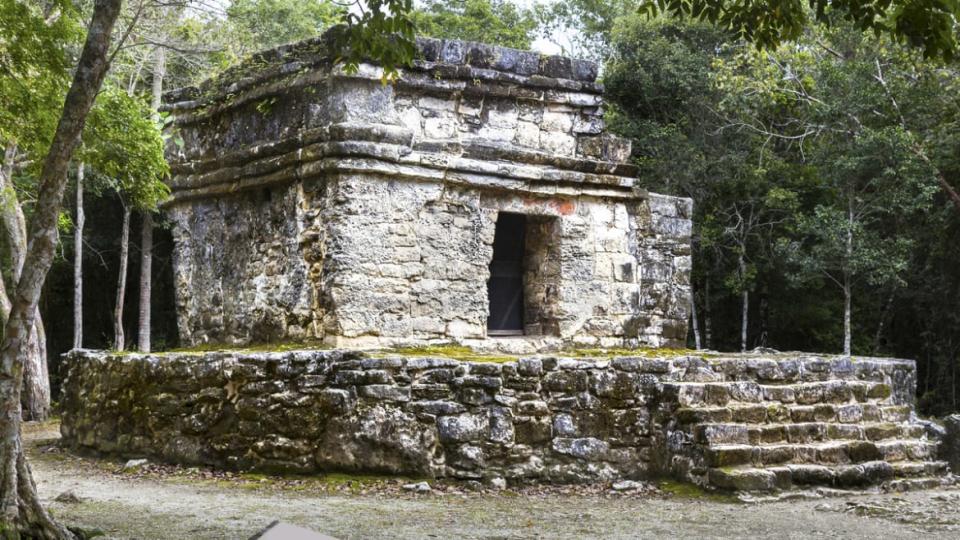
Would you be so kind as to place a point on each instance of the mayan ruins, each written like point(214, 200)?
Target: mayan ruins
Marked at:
point(478, 195)
point(478, 202)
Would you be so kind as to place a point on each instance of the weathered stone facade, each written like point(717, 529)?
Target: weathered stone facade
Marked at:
point(309, 203)
point(736, 422)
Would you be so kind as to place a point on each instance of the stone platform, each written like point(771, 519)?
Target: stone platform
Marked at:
point(744, 422)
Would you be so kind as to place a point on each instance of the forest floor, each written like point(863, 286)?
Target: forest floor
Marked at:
point(169, 502)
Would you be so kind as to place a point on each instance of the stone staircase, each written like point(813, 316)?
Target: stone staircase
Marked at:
point(840, 425)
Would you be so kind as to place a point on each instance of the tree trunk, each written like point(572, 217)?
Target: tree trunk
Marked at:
point(146, 239)
point(693, 317)
point(78, 264)
point(707, 317)
point(764, 318)
point(159, 72)
point(20, 510)
point(35, 394)
point(847, 293)
point(744, 314)
point(118, 337)
point(846, 316)
point(745, 299)
point(878, 336)
point(146, 264)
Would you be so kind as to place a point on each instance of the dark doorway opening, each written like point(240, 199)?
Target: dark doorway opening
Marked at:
point(505, 288)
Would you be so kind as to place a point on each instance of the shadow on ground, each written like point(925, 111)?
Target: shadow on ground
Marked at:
point(173, 503)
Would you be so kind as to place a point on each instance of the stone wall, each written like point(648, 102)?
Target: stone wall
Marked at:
point(548, 419)
point(240, 271)
point(312, 203)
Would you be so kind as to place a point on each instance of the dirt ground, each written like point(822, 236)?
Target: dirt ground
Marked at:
point(166, 502)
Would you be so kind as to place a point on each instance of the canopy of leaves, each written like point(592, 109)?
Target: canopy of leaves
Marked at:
point(383, 31)
point(261, 24)
point(774, 145)
point(497, 22)
point(875, 183)
point(585, 24)
point(927, 24)
point(122, 143)
point(36, 44)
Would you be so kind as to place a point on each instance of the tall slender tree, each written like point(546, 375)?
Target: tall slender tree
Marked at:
point(78, 224)
point(21, 513)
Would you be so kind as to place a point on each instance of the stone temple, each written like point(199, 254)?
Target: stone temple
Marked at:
point(477, 200)
point(477, 197)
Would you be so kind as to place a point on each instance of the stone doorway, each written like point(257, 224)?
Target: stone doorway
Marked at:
point(524, 280)
point(505, 287)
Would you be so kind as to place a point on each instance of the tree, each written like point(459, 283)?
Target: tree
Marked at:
point(846, 102)
point(33, 75)
point(78, 225)
point(127, 151)
point(21, 513)
point(146, 240)
point(873, 179)
point(259, 24)
point(927, 25)
point(498, 22)
point(664, 94)
point(583, 28)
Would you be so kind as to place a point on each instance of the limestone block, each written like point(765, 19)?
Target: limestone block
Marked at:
point(463, 428)
point(586, 448)
point(527, 134)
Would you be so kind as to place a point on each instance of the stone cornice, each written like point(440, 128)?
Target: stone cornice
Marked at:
point(387, 149)
point(345, 157)
point(450, 61)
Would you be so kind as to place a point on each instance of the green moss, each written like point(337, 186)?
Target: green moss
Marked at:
point(455, 352)
point(466, 354)
point(361, 480)
point(446, 350)
point(253, 347)
point(646, 352)
point(685, 490)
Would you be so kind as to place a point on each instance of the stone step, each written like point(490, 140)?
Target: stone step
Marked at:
point(802, 432)
point(748, 478)
point(914, 484)
point(774, 413)
point(792, 368)
point(811, 393)
point(911, 469)
point(831, 452)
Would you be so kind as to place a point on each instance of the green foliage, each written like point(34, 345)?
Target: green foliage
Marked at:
point(384, 31)
point(122, 143)
point(775, 145)
point(875, 180)
point(659, 84)
point(927, 24)
point(498, 22)
point(261, 24)
point(586, 24)
point(35, 62)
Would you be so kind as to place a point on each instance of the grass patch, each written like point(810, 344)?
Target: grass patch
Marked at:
point(253, 347)
point(685, 490)
point(646, 352)
point(329, 482)
point(444, 350)
point(455, 352)
point(466, 354)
